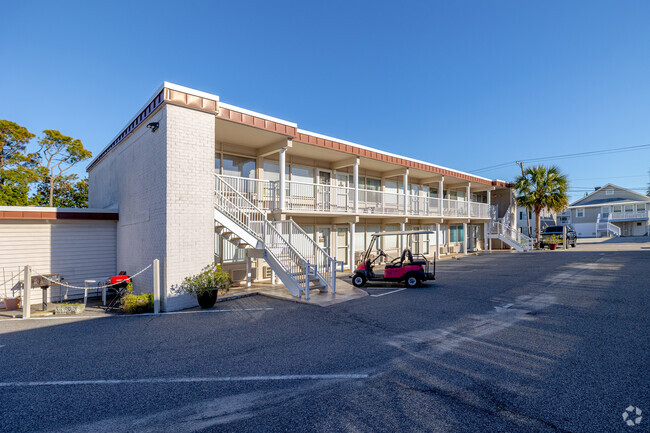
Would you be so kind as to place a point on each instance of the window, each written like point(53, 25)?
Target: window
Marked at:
point(390, 242)
point(302, 174)
point(237, 166)
point(580, 213)
point(618, 208)
point(609, 191)
point(521, 215)
point(272, 171)
point(640, 207)
point(629, 208)
point(452, 233)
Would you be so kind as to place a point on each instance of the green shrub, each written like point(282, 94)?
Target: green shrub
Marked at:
point(136, 304)
point(212, 277)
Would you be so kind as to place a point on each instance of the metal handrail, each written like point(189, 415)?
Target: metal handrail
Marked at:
point(247, 215)
point(325, 264)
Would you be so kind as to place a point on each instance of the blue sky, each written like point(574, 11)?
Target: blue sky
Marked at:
point(464, 84)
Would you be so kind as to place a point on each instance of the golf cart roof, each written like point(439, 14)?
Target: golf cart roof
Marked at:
point(409, 232)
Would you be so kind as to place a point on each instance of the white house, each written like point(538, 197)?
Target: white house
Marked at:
point(609, 210)
point(198, 181)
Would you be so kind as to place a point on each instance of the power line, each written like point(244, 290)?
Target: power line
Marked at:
point(566, 156)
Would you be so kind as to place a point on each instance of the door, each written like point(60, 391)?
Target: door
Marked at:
point(342, 194)
point(415, 199)
point(324, 190)
point(323, 237)
point(342, 245)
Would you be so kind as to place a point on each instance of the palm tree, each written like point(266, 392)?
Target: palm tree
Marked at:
point(542, 188)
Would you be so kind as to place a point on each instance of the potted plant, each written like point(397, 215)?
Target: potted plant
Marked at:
point(552, 242)
point(12, 303)
point(206, 285)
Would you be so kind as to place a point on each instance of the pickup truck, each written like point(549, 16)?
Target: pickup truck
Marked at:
point(558, 231)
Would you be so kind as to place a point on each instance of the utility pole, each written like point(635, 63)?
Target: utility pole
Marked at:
point(521, 165)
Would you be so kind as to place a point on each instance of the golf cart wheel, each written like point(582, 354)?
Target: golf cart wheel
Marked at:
point(358, 280)
point(412, 281)
point(573, 245)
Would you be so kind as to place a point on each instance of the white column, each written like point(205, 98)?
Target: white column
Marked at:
point(406, 191)
point(156, 286)
point(486, 241)
point(355, 177)
point(402, 227)
point(438, 235)
point(27, 293)
point(273, 277)
point(465, 235)
point(440, 194)
point(249, 271)
point(467, 199)
point(352, 245)
point(282, 193)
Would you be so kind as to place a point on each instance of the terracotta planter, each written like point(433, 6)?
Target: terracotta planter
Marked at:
point(12, 303)
point(207, 299)
point(552, 246)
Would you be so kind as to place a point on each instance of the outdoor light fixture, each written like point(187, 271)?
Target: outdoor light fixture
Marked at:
point(153, 126)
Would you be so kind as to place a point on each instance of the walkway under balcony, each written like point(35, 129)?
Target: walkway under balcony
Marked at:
point(312, 198)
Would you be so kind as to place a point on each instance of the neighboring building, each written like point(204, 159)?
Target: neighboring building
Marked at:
point(547, 218)
point(609, 211)
point(198, 181)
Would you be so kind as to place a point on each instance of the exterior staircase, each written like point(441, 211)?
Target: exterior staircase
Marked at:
point(503, 230)
point(605, 226)
point(300, 263)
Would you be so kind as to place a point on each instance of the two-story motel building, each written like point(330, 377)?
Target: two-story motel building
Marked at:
point(161, 172)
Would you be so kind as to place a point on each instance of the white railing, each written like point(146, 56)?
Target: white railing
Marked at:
point(241, 210)
point(253, 220)
point(526, 243)
point(258, 191)
point(312, 197)
point(613, 229)
point(309, 249)
point(642, 214)
point(479, 210)
point(297, 268)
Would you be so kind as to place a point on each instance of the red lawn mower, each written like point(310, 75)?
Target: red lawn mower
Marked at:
point(410, 268)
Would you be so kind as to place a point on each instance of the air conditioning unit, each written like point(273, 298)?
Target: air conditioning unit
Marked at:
point(267, 272)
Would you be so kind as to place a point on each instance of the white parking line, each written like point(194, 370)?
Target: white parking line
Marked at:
point(77, 317)
point(388, 293)
point(185, 380)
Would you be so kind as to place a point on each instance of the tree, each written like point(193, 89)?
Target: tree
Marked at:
point(59, 153)
point(13, 142)
point(68, 192)
point(542, 188)
point(17, 168)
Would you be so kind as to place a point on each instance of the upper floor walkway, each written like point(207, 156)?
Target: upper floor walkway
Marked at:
point(315, 198)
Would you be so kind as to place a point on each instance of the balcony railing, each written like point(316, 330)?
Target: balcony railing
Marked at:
point(630, 215)
point(311, 197)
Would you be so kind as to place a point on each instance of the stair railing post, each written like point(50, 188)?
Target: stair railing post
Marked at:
point(156, 286)
point(27, 291)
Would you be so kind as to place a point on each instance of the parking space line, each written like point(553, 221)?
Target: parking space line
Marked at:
point(98, 316)
point(184, 380)
point(388, 293)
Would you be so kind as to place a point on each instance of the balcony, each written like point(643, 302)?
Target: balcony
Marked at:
point(302, 197)
point(629, 215)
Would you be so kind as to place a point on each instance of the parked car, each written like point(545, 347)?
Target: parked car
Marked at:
point(558, 231)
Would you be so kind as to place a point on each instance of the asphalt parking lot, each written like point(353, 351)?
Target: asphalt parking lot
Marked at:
point(501, 342)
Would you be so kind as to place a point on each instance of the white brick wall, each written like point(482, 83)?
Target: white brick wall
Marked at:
point(163, 185)
point(132, 178)
point(190, 197)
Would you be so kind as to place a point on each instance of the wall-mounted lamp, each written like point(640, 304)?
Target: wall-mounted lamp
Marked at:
point(153, 126)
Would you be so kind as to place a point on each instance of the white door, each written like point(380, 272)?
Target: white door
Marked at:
point(323, 237)
point(342, 244)
point(342, 194)
point(324, 190)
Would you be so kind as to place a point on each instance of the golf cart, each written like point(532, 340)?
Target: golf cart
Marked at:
point(410, 268)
